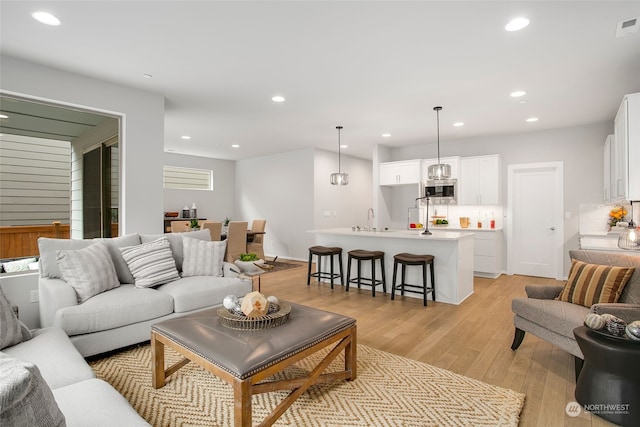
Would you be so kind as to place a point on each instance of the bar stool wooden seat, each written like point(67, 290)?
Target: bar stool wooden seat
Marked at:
point(362, 255)
point(406, 259)
point(321, 251)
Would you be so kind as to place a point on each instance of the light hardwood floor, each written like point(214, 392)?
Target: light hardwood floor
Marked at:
point(471, 339)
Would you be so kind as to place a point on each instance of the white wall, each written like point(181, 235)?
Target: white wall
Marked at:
point(17, 288)
point(292, 192)
point(142, 138)
point(214, 205)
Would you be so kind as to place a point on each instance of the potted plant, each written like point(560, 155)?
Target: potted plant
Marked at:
point(194, 224)
point(249, 263)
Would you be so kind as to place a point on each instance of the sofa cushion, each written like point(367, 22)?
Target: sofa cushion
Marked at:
point(118, 307)
point(49, 258)
point(95, 403)
point(631, 292)
point(25, 398)
point(89, 271)
point(193, 293)
point(52, 351)
point(151, 263)
point(590, 284)
point(175, 241)
point(114, 245)
point(558, 316)
point(18, 265)
point(10, 330)
point(202, 258)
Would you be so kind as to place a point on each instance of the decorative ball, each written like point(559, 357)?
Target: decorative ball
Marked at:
point(606, 317)
point(254, 304)
point(273, 299)
point(616, 326)
point(594, 321)
point(633, 330)
point(230, 301)
point(273, 308)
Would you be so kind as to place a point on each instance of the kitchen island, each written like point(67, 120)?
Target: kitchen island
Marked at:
point(453, 252)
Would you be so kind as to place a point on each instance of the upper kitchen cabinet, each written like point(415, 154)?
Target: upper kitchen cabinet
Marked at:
point(454, 162)
point(480, 180)
point(400, 173)
point(606, 158)
point(625, 179)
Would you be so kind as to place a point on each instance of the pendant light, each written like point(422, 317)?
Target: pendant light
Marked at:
point(439, 171)
point(339, 178)
point(629, 239)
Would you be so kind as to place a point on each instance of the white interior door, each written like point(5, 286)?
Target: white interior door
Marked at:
point(534, 220)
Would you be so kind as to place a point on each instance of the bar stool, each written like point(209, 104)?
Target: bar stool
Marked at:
point(321, 251)
point(361, 255)
point(406, 259)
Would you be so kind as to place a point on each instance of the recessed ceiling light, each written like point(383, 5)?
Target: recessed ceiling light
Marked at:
point(147, 76)
point(3, 116)
point(458, 124)
point(517, 24)
point(344, 146)
point(532, 119)
point(46, 18)
point(518, 93)
point(278, 98)
point(185, 137)
point(235, 146)
point(386, 135)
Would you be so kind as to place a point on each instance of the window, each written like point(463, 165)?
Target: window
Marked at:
point(187, 178)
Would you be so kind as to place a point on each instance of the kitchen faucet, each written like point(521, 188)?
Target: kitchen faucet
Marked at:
point(370, 217)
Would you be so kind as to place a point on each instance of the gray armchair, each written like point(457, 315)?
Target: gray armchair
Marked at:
point(554, 321)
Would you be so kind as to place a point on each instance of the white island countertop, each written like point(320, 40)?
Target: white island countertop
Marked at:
point(436, 234)
point(452, 251)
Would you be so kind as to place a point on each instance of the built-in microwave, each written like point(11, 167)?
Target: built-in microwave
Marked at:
point(441, 191)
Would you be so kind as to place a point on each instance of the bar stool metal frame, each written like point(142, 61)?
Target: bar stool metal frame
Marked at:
point(362, 255)
point(321, 251)
point(419, 260)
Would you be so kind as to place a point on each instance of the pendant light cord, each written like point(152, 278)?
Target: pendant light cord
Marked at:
point(339, 129)
point(438, 129)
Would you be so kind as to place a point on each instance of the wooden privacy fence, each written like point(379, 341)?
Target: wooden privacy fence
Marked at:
point(17, 241)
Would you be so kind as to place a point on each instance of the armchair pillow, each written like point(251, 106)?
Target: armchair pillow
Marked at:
point(151, 263)
point(202, 258)
point(590, 284)
point(89, 271)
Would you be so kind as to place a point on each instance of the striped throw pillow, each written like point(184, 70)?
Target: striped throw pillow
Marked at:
point(590, 284)
point(89, 271)
point(151, 263)
point(202, 258)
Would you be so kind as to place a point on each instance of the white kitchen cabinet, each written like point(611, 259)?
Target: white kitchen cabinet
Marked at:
point(487, 254)
point(606, 158)
point(400, 173)
point(480, 180)
point(625, 175)
point(454, 162)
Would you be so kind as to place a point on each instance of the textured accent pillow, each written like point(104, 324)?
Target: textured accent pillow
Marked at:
point(590, 284)
point(113, 244)
point(202, 258)
point(89, 271)
point(18, 265)
point(25, 398)
point(151, 263)
point(10, 332)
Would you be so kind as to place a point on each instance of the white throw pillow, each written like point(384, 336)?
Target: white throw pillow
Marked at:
point(202, 258)
point(151, 263)
point(89, 271)
point(18, 265)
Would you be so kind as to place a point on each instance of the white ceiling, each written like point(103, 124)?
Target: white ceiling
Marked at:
point(373, 67)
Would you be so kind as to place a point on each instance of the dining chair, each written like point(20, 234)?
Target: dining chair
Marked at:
point(256, 245)
point(179, 226)
point(215, 228)
point(236, 240)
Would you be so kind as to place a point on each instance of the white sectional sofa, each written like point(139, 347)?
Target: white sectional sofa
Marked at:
point(123, 315)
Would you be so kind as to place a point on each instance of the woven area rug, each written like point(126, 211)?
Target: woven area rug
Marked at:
point(390, 391)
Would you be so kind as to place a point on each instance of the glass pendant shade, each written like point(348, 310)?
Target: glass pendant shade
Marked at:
point(339, 178)
point(439, 171)
point(629, 239)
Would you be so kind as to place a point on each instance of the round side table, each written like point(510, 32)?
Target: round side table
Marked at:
point(609, 383)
